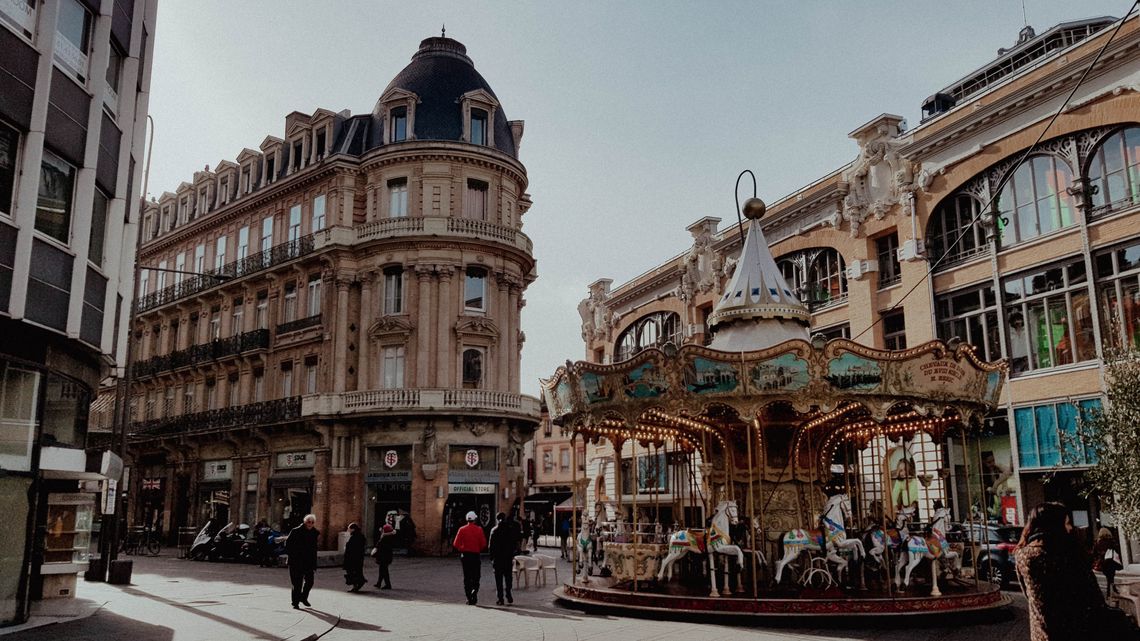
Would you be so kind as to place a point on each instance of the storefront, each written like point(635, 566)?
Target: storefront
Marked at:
point(472, 486)
point(213, 498)
point(291, 489)
point(388, 486)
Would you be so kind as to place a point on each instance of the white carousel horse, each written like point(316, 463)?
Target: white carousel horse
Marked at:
point(934, 547)
point(586, 550)
point(711, 542)
point(892, 538)
point(829, 539)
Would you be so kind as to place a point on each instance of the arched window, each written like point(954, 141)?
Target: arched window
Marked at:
point(793, 273)
point(472, 368)
point(651, 330)
point(826, 279)
point(1034, 200)
point(951, 217)
point(1115, 170)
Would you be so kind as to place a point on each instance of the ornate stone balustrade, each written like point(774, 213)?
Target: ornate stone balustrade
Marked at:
point(438, 226)
point(416, 400)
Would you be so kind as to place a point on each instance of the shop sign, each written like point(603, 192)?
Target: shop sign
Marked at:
point(295, 460)
point(404, 476)
point(471, 488)
point(217, 470)
point(471, 458)
point(152, 484)
point(391, 458)
point(110, 496)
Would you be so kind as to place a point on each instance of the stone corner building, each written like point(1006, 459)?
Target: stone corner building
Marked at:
point(354, 346)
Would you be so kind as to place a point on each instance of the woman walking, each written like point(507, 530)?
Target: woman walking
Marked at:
point(384, 545)
point(1064, 598)
point(354, 558)
point(1106, 559)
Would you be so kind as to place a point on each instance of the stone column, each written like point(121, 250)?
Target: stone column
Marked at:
point(320, 497)
point(340, 344)
point(423, 327)
point(511, 338)
point(502, 314)
point(363, 347)
point(444, 352)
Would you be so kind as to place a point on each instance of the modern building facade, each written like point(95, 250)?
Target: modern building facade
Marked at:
point(936, 231)
point(74, 87)
point(329, 323)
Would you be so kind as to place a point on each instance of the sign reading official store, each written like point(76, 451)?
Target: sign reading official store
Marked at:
point(217, 470)
point(471, 488)
point(295, 460)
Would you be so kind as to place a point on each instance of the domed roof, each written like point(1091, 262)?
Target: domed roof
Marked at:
point(440, 73)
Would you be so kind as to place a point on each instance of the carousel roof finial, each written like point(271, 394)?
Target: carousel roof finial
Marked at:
point(757, 309)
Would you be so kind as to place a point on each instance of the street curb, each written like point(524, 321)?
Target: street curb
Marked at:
point(43, 620)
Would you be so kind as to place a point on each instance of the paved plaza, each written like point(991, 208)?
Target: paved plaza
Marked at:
point(177, 600)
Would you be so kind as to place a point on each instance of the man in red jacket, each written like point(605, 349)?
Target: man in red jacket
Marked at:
point(469, 542)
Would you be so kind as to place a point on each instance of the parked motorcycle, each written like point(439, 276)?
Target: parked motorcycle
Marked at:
point(203, 543)
point(229, 543)
point(264, 548)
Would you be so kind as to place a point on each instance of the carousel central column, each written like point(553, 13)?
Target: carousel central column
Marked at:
point(423, 327)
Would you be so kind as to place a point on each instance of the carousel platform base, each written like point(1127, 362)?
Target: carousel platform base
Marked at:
point(675, 600)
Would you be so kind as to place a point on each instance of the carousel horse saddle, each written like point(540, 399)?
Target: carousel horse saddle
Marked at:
point(934, 544)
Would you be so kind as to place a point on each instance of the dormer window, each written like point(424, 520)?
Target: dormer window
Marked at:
point(246, 181)
point(320, 144)
point(398, 121)
point(224, 190)
point(478, 127)
point(298, 154)
point(203, 200)
point(270, 169)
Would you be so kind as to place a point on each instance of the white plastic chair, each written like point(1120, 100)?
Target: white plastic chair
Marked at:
point(524, 564)
point(546, 563)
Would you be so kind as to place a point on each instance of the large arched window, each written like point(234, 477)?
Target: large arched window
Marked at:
point(951, 217)
point(1035, 200)
point(651, 330)
point(826, 279)
point(1115, 170)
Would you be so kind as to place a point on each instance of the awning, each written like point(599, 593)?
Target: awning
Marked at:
point(566, 506)
point(549, 498)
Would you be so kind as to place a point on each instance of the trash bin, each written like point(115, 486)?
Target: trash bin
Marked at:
point(95, 569)
point(120, 572)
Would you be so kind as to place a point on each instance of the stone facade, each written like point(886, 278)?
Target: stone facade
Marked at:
point(346, 340)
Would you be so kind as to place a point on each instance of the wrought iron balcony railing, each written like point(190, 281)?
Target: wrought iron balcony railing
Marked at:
point(299, 324)
point(250, 415)
point(256, 262)
point(214, 350)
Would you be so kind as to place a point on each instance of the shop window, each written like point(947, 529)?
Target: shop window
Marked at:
point(1115, 171)
point(398, 198)
point(1050, 322)
point(475, 289)
point(57, 188)
point(1034, 200)
point(394, 290)
point(1047, 434)
point(472, 368)
point(890, 272)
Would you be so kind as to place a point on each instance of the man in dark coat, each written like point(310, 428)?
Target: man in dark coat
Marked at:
point(354, 558)
point(469, 542)
point(503, 545)
point(301, 546)
point(385, 542)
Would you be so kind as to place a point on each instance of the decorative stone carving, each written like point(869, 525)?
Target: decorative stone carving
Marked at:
point(431, 447)
point(597, 318)
point(476, 326)
point(701, 271)
point(514, 446)
point(478, 427)
point(390, 325)
point(874, 182)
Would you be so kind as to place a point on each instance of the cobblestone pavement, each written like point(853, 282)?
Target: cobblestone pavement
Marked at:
point(177, 600)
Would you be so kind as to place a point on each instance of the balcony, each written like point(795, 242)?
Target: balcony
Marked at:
point(439, 226)
point(413, 400)
point(299, 324)
point(250, 415)
point(195, 354)
point(252, 264)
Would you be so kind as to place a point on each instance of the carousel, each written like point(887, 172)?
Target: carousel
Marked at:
point(795, 476)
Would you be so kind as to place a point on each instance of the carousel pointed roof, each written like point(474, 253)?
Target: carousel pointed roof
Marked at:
point(758, 309)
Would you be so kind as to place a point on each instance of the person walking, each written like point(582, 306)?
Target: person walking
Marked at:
point(563, 535)
point(535, 532)
point(384, 547)
point(470, 542)
point(354, 558)
point(503, 545)
point(1106, 559)
point(301, 546)
point(1063, 596)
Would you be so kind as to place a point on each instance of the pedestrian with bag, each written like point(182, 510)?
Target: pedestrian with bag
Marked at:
point(503, 544)
point(1106, 559)
point(385, 543)
point(354, 558)
point(563, 535)
point(470, 543)
point(1063, 596)
point(301, 546)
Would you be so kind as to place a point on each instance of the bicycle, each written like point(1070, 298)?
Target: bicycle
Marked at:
point(144, 541)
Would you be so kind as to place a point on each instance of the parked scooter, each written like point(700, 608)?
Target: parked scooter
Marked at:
point(263, 547)
point(203, 543)
point(229, 543)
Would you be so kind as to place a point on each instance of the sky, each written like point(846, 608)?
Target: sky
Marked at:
point(639, 115)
